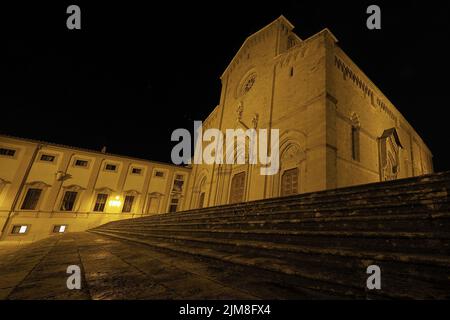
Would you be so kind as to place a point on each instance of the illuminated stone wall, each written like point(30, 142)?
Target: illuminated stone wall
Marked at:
point(314, 94)
point(336, 129)
point(149, 183)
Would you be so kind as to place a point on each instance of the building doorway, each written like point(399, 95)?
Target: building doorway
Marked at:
point(237, 188)
point(289, 182)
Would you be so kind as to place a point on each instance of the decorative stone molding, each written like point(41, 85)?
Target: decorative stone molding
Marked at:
point(354, 119)
point(38, 184)
point(105, 190)
point(239, 111)
point(255, 121)
point(3, 182)
point(133, 193)
point(332, 98)
point(348, 73)
point(74, 187)
point(390, 146)
point(155, 194)
point(292, 154)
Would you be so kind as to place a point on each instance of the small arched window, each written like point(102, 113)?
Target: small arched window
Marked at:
point(355, 137)
point(355, 143)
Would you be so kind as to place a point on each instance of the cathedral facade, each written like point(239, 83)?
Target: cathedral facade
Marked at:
point(336, 127)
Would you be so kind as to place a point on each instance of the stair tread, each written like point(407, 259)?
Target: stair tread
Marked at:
point(400, 257)
point(424, 216)
point(318, 235)
point(366, 234)
point(260, 213)
point(316, 196)
point(378, 186)
point(265, 263)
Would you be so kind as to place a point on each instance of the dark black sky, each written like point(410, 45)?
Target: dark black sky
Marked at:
point(137, 71)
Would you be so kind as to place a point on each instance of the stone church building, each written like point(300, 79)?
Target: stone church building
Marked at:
point(336, 128)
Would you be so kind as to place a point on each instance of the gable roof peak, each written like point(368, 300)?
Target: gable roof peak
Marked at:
point(280, 20)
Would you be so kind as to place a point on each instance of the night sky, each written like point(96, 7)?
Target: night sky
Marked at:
point(135, 72)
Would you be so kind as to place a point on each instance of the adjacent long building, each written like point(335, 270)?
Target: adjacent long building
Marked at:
point(337, 129)
point(47, 189)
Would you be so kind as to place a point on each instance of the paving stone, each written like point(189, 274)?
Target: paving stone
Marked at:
point(314, 246)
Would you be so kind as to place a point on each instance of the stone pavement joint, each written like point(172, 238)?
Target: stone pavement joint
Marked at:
point(111, 270)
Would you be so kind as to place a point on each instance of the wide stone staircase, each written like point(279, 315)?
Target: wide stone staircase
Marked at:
point(320, 242)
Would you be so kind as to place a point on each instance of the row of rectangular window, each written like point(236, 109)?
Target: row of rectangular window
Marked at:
point(102, 199)
point(113, 167)
point(23, 229)
point(7, 152)
point(47, 158)
point(68, 202)
point(32, 198)
point(77, 162)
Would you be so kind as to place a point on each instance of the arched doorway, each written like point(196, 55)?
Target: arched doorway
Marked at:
point(292, 169)
point(237, 189)
point(289, 182)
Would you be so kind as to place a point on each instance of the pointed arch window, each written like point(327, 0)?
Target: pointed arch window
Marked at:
point(355, 138)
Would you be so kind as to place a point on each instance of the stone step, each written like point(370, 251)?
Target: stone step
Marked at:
point(411, 183)
point(441, 183)
point(347, 277)
point(321, 241)
point(442, 205)
point(433, 243)
point(268, 206)
point(422, 196)
point(423, 221)
point(236, 246)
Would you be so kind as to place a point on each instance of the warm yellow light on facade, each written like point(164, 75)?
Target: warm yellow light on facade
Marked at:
point(115, 202)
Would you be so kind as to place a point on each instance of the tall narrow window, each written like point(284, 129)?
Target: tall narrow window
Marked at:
point(355, 143)
point(178, 183)
point(128, 204)
point(100, 202)
point(201, 201)
point(289, 182)
point(31, 199)
point(173, 205)
point(68, 201)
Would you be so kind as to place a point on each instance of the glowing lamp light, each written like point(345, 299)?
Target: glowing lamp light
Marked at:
point(115, 202)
